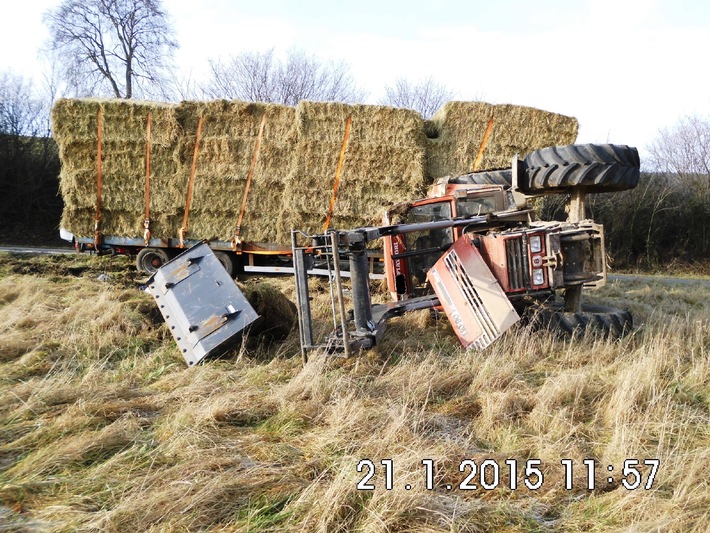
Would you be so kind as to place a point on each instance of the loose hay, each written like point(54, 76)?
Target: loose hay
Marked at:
point(277, 314)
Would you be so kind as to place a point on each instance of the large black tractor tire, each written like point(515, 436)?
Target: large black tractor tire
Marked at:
point(492, 177)
point(601, 320)
point(149, 260)
point(593, 167)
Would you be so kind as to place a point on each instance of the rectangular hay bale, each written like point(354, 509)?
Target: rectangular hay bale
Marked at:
point(384, 163)
point(229, 133)
point(457, 131)
point(124, 138)
point(389, 159)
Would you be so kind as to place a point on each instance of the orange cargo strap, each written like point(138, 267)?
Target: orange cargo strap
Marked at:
point(236, 241)
point(146, 222)
point(99, 184)
point(479, 157)
point(190, 184)
point(337, 173)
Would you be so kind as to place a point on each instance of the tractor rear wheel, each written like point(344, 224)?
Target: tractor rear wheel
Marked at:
point(606, 321)
point(594, 167)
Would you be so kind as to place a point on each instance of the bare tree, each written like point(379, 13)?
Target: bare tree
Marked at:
point(261, 77)
point(20, 109)
point(425, 96)
point(683, 150)
point(116, 47)
point(681, 156)
point(182, 86)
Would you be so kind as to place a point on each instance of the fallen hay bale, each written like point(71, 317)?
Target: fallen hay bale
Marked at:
point(277, 314)
point(457, 130)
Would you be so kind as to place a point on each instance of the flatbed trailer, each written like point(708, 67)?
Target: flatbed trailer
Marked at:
point(245, 258)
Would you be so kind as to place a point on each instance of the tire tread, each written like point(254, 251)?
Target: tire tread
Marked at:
point(606, 321)
point(596, 167)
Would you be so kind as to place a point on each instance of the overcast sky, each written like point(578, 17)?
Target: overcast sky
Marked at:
point(624, 68)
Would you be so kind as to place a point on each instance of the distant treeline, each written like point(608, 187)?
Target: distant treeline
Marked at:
point(29, 172)
point(664, 221)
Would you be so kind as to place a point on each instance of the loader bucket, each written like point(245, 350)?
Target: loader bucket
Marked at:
point(201, 303)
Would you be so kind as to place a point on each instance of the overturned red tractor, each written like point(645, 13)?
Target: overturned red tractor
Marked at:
point(476, 247)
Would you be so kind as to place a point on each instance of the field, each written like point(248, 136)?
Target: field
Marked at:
point(103, 428)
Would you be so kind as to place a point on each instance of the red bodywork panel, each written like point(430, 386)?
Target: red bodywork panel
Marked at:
point(494, 251)
point(399, 272)
point(477, 307)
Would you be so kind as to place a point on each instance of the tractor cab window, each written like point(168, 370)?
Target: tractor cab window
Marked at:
point(431, 243)
point(476, 206)
point(420, 240)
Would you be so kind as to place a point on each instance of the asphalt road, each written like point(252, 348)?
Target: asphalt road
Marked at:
point(36, 250)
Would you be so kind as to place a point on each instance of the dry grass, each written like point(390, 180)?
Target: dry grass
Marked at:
point(102, 428)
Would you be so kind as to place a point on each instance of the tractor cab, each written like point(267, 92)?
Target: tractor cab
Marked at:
point(528, 257)
point(408, 257)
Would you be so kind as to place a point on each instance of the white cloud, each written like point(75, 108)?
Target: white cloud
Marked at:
point(22, 34)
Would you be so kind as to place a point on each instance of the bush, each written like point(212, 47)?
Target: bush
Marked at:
point(29, 170)
point(666, 219)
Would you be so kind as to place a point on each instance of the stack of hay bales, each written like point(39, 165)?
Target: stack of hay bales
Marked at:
point(229, 133)
point(457, 131)
point(384, 164)
point(124, 126)
point(388, 160)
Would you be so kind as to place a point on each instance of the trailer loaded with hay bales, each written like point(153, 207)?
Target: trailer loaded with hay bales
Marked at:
point(151, 179)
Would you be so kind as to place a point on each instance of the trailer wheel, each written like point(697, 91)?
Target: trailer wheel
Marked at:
point(149, 260)
point(228, 262)
point(594, 167)
point(606, 321)
point(493, 177)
